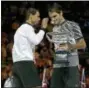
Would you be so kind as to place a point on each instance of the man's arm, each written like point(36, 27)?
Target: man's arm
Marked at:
point(80, 44)
point(37, 38)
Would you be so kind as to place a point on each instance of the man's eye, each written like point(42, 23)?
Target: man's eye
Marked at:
point(54, 16)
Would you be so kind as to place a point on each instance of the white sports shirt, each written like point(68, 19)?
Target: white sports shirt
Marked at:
point(25, 40)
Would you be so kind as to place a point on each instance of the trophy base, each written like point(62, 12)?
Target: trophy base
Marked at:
point(61, 62)
point(61, 52)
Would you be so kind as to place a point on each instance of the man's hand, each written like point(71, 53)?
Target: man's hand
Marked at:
point(44, 23)
point(67, 47)
point(63, 47)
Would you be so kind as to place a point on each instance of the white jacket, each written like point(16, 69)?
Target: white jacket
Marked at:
point(25, 40)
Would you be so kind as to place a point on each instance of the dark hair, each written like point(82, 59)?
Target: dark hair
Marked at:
point(55, 8)
point(30, 11)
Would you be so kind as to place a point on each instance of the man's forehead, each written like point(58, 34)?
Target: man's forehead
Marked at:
point(38, 13)
point(52, 14)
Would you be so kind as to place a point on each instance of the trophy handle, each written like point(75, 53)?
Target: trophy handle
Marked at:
point(49, 39)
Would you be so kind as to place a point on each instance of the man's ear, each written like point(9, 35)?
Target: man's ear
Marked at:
point(61, 13)
point(30, 16)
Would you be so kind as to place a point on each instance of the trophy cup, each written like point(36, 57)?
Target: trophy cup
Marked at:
point(59, 39)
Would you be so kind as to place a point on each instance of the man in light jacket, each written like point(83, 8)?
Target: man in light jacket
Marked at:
point(25, 40)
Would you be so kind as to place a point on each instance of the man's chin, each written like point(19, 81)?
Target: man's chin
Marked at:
point(37, 23)
point(55, 24)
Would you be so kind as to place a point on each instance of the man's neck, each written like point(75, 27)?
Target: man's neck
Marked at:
point(29, 22)
point(62, 21)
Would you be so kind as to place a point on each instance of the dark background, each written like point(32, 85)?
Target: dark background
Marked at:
point(14, 11)
point(13, 15)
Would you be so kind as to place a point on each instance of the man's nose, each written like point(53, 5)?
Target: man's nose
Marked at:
point(52, 22)
point(39, 19)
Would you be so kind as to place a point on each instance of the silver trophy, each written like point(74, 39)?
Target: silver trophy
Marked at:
point(59, 39)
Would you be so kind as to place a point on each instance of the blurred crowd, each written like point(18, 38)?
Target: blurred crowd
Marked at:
point(13, 14)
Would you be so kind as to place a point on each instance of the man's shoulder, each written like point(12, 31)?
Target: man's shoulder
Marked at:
point(26, 25)
point(73, 23)
point(24, 28)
